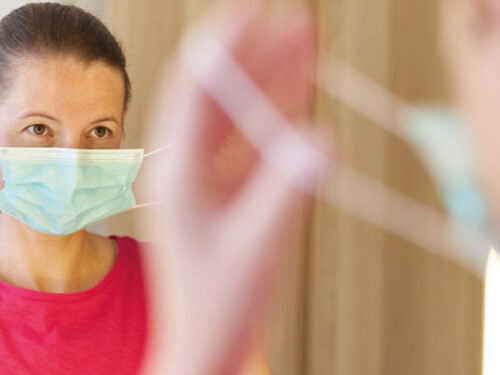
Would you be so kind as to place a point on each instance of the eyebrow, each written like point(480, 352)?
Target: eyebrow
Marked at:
point(104, 119)
point(41, 114)
point(38, 114)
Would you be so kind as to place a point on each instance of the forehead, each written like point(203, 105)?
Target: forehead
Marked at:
point(64, 85)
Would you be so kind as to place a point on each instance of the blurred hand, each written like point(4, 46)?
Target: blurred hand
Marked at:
point(227, 216)
point(471, 37)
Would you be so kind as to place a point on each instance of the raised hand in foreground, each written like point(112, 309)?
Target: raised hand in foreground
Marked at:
point(226, 216)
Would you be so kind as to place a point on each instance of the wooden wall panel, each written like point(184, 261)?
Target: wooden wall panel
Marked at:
point(376, 304)
point(432, 308)
point(345, 311)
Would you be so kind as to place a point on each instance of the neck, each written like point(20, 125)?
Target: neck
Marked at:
point(58, 264)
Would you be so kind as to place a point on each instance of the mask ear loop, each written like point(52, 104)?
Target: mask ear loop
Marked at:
point(362, 94)
point(153, 203)
point(374, 202)
point(163, 148)
point(142, 205)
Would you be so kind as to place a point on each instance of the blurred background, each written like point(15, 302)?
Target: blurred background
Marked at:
point(354, 299)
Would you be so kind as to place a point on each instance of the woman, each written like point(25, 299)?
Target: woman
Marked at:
point(75, 302)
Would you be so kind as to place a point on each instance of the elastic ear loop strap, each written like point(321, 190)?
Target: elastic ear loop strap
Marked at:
point(259, 120)
point(154, 152)
point(160, 149)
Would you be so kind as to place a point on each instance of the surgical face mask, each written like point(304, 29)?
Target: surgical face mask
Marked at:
point(59, 191)
point(463, 236)
point(440, 137)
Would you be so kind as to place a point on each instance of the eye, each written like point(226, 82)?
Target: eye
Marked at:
point(38, 129)
point(100, 132)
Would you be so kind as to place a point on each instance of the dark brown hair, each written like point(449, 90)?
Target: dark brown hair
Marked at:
point(41, 29)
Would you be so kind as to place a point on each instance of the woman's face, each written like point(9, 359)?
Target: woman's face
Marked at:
point(60, 101)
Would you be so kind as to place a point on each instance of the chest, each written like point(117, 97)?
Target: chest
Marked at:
point(102, 333)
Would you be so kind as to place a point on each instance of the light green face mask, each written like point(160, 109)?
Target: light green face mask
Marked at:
point(441, 138)
point(59, 191)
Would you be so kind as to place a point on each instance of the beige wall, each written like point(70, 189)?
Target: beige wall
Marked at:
point(356, 299)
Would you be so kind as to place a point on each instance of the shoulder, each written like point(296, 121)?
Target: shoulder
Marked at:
point(126, 243)
point(120, 251)
point(133, 251)
point(115, 248)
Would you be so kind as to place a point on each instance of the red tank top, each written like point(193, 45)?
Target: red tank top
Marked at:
point(98, 331)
